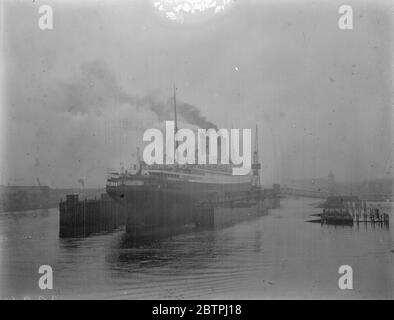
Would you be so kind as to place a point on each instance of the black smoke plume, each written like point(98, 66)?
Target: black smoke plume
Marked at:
point(97, 87)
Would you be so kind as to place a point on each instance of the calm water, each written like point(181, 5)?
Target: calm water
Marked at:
point(276, 256)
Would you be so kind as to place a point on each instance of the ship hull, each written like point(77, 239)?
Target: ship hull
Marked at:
point(154, 212)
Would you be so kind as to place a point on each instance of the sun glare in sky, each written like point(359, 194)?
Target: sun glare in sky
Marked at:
point(180, 10)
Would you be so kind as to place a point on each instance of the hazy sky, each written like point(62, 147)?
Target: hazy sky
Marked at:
point(78, 98)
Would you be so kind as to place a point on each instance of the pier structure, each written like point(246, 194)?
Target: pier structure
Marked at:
point(350, 209)
point(361, 212)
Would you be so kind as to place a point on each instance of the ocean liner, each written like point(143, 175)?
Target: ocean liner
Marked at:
point(164, 199)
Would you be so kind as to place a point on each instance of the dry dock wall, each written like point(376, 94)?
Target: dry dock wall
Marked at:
point(82, 218)
point(232, 212)
point(271, 203)
point(228, 215)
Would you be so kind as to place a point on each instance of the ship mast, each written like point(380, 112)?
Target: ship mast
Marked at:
point(176, 126)
point(256, 166)
point(139, 164)
point(256, 146)
point(176, 118)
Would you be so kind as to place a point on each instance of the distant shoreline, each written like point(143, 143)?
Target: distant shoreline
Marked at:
point(25, 198)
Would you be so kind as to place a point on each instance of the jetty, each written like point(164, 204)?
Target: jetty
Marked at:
point(351, 209)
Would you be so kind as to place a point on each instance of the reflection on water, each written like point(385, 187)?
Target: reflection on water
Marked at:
point(276, 256)
point(364, 225)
